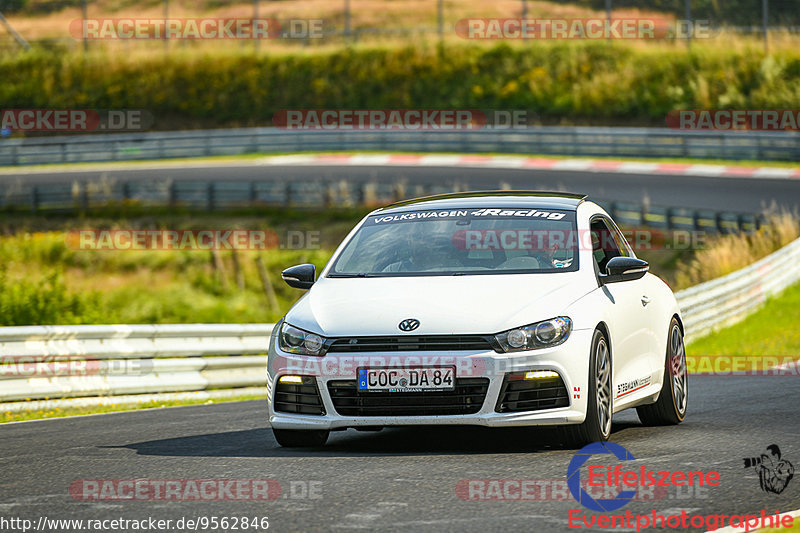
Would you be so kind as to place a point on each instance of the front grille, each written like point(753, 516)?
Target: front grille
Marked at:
point(466, 398)
point(298, 399)
point(410, 343)
point(519, 394)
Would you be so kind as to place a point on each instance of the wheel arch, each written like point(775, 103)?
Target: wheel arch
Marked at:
point(603, 327)
point(677, 317)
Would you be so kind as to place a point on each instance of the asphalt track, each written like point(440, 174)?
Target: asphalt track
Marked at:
point(736, 194)
point(401, 479)
point(406, 479)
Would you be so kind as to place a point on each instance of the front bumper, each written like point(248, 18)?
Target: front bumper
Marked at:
point(570, 360)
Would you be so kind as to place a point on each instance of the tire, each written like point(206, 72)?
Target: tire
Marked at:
point(300, 438)
point(597, 425)
point(670, 408)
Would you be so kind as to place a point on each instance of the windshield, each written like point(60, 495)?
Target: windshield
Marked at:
point(461, 242)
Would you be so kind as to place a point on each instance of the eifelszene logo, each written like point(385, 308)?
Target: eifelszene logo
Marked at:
point(774, 473)
point(602, 505)
point(615, 478)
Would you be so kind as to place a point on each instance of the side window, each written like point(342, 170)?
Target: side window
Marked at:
point(604, 244)
point(624, 248)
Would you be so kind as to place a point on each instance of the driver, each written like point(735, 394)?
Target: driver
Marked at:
point(544, 247)
point(428, 248)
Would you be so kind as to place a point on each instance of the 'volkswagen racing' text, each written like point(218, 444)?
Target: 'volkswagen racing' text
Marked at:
point(463, 213)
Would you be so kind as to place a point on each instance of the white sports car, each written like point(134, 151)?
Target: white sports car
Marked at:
point(502, 308)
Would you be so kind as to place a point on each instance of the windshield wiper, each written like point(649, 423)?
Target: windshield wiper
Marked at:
point(358, 275)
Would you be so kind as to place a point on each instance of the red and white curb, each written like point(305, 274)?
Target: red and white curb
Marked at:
point(533, 163)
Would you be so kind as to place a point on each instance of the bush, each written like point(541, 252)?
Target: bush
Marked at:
point(729, 253)
point(13, 6)
point(560, 81)
point(45, 301)
point(42, 281)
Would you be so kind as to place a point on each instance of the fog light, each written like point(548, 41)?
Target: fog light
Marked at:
point(292, 380)
point(541, 374)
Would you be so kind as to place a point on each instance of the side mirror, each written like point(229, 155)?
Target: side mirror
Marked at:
point(300, 276)
point(624, 269)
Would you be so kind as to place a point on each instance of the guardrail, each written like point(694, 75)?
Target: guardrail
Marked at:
point(39, 362)
point(82, 194)
point(551, 140)
point(726, 300)
point(44, 362)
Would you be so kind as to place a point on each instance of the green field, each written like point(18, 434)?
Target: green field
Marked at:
point(556, 82)
point(772, 330)
point(45, 280)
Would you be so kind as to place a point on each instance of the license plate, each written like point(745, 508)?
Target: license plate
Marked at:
point(406, 379)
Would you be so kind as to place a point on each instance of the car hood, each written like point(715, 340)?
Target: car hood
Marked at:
point(478, 304)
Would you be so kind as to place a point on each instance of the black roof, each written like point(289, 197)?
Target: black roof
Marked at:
point(534, 199)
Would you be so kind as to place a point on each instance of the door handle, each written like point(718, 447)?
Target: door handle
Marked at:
point(645, 300)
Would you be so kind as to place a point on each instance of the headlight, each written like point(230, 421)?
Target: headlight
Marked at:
point(539, 335)
point(298, 341)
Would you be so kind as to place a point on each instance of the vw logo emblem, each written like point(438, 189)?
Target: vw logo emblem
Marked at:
point(409, 324)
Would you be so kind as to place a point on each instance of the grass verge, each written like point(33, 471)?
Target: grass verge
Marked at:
point(45, 280)
point(794, 527)
point(773, 330)
point(94, 410)
point(257, 156)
